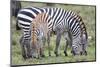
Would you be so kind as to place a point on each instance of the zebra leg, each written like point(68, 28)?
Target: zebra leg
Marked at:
point(38, 52)
point(67, 36)
point(68, 41)
point(57, 42)
point(25, 44)
point(42, 48)
point(84, 45)
point(84, 52)
point(23, 48)
point(28, 49)
point(65, 50)
point(42, 52)
point(23, 52)
point(48, 41)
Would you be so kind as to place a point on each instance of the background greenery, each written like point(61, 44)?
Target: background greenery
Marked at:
point(88, 15)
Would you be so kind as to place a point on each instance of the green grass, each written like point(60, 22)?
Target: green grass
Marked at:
point(88, 16)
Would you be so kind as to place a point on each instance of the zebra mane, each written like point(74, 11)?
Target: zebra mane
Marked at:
point(83, 32)
point(82, 25)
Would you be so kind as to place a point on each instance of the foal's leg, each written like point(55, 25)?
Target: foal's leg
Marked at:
point(42, 47)
point(58, 38)
point(48, 41)
point(38, 51)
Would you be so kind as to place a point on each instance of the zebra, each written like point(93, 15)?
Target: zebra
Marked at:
point(80, 37)
point(39, 32)
point(63, 21)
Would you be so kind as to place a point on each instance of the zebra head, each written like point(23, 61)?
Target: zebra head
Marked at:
point(79, 45)
point(76, 49)
point(76, 46)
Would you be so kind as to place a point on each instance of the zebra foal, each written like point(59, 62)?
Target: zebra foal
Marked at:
point(39, 29)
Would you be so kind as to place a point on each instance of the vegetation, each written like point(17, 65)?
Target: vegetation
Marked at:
point(88, 15)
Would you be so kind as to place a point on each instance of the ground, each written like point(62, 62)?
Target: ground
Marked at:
point(88, 15)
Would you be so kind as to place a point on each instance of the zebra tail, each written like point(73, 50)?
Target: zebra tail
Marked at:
point(17, 27)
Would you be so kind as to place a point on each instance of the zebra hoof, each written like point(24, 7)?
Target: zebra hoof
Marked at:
point(49, 54)
point(38, 57)
point(34, 57)
point(30, 56)
point(56, 54)
point(85, 53)
point(24, 56)
point(42, 55)
point(65, 53)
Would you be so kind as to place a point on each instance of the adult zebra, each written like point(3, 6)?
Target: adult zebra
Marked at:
point(63, 21)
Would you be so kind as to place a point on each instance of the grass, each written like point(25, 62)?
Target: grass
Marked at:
point(88, 16)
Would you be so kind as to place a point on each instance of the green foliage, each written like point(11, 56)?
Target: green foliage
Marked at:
point(88, 16)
